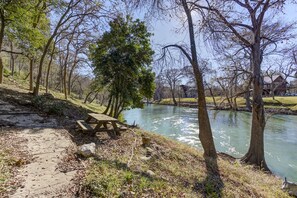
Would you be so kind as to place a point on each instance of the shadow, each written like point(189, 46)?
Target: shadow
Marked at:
point(81, 137)
point(212, 185)
point(18, 105)
point(45, 104)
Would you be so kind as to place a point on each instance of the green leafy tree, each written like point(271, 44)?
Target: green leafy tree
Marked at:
point(33, 35)
point(15, 17)
point(121, 60)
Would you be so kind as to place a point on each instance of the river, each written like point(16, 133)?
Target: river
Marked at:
point(231, 131)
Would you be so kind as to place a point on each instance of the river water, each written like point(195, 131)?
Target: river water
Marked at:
point(231, 131)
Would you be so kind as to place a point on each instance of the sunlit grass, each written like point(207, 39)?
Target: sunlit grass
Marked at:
point(179, 171)
point(269, 102)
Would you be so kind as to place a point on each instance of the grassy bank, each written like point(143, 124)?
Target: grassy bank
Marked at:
point(289, 102)
point(164, 168)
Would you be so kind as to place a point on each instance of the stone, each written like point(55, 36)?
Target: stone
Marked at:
point(144, 158)
point(87, 150)
point(290, 187)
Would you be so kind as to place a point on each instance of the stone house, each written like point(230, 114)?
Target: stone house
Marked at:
point(275, 84)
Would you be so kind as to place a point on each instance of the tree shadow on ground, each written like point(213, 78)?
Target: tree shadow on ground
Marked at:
point(212, 185)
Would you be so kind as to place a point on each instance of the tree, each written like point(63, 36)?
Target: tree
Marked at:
point(172, 77)
point(121, 59)
point(185, 7)
point(14, 19)
point(160, 88)
point(244, 22)
point(70, 11)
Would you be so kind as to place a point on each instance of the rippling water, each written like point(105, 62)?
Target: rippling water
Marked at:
point(231, 131)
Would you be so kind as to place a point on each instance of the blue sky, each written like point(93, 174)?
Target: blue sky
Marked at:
point(164, 32)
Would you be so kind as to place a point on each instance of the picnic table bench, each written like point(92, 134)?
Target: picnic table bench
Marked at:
point(101, 123)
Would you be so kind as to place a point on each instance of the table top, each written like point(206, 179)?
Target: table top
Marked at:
point(102, 117)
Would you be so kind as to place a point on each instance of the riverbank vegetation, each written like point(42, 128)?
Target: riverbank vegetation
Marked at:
point(166, 168)
point(94, 51)
point(126, 167)
point(279, 102)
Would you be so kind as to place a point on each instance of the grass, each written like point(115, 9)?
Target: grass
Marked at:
point(179, 171)
point(5, 170)
point(79, 103)
point(279, 101)
point(167, 168)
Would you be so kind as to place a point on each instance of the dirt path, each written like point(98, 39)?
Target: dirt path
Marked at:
point(48, 145)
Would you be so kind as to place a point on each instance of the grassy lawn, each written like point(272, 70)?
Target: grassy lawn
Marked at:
point(278, 102)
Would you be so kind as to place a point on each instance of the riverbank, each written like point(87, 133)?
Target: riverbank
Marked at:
point(279, 105)
point(123, 167)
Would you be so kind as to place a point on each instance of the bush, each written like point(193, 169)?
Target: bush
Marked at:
point(6, 72)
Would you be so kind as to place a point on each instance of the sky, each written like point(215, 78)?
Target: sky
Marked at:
point(164, 32)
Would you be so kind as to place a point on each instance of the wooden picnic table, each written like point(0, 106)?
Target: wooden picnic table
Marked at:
point(101, 123)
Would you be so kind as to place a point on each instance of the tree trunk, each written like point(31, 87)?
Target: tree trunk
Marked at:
point(235, 91)
point(247, 100)
point(1, 42)
point(226, 94)
point(45, 50)
point(173, 97)
point(48, 70)
point(87, 96)
point(1, 70)
point(205, 133)
point(71, 72)
point(64, 80)
point(108, 105)
point(272, 93)
point(102, 100)
point(121, 108)
point(255, 154)
point(235, 104)
point(213, 98)
point(31, 74)
point(116, 106)
point(94, 97)
point(111, 108)
point(36, 90)
point(11, 60)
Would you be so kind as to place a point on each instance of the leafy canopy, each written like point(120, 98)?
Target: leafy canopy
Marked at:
point(26, 21)
point(121, 60)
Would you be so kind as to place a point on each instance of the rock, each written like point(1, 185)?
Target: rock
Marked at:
point(144, 158)
point(150, 173)
point(290, 187)
point(87, 150)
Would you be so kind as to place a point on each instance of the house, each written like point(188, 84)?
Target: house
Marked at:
point(188, 91)
point(274, 85)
